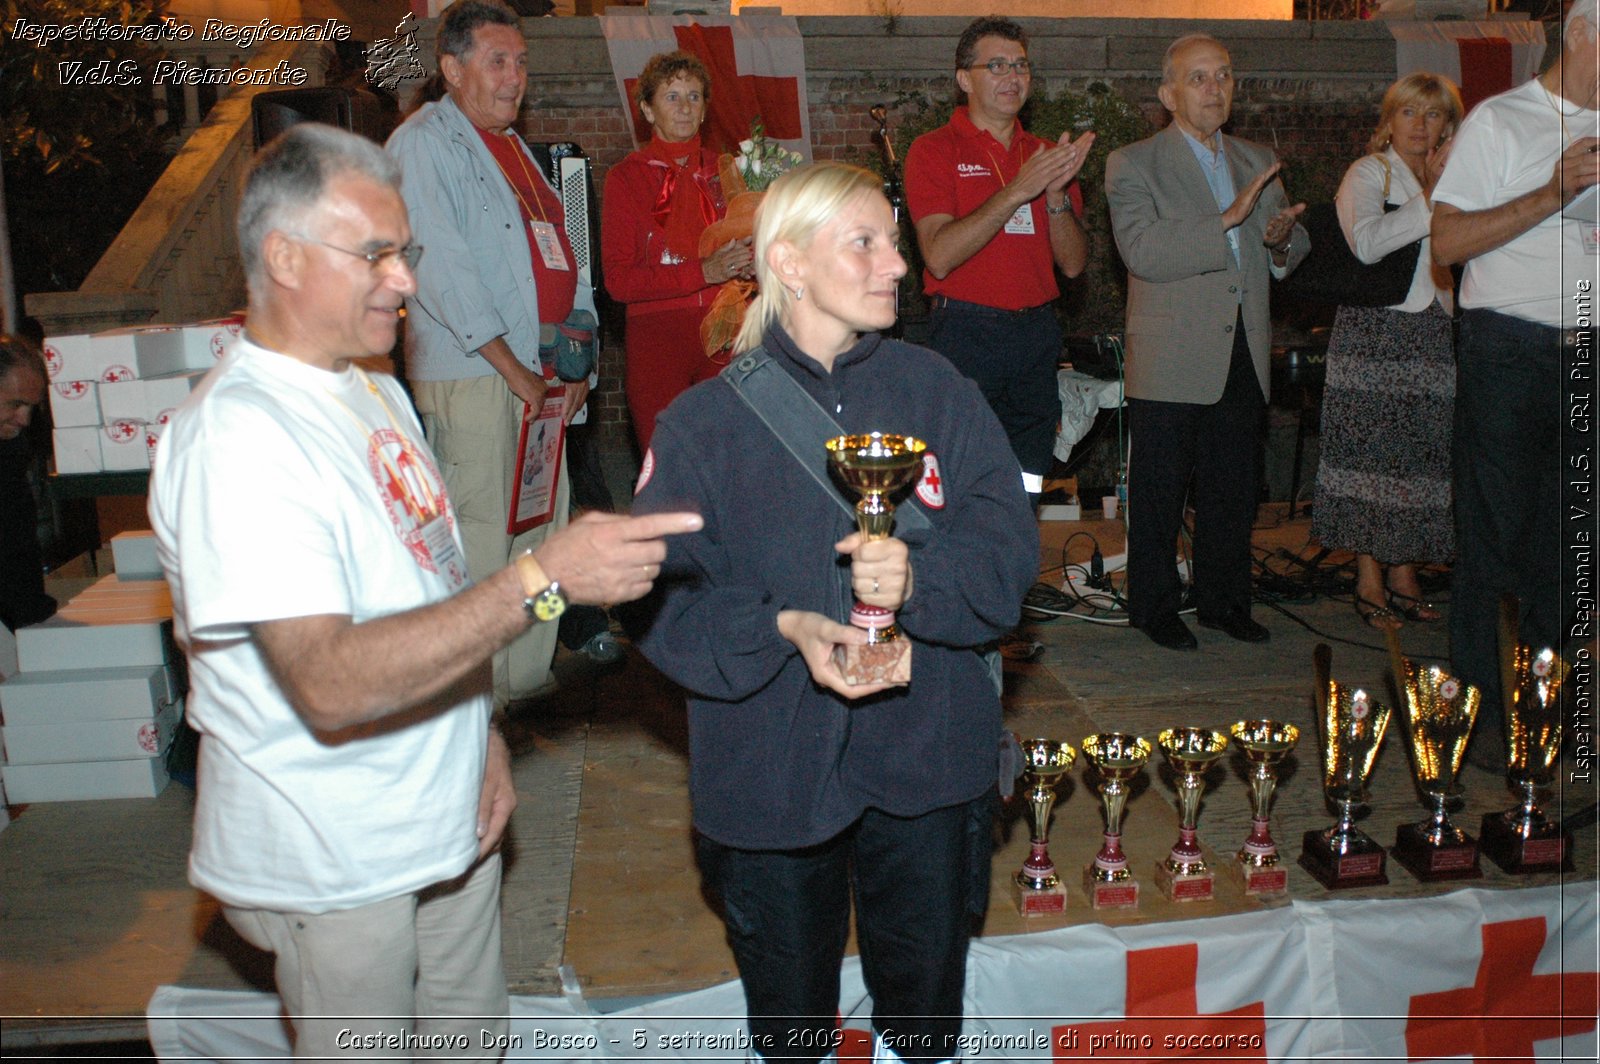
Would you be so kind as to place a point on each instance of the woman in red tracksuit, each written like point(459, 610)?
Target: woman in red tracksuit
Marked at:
point(657, 203)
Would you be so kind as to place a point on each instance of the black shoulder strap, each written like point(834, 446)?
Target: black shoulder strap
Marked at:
point(799, 422)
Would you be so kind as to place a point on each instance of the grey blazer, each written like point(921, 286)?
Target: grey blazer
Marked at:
point(1183, 286)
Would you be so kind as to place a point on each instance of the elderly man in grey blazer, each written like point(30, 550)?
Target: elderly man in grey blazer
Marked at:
point(1201, 222)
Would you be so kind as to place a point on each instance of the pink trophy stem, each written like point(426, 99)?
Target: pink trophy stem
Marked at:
point(1260, 841)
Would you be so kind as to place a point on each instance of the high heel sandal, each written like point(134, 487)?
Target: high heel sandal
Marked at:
point(1413, 609)
point(1375, 614)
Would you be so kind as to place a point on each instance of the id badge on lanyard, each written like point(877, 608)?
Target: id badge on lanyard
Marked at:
point(442, 549)
point(549, 244)
point(1021, 223)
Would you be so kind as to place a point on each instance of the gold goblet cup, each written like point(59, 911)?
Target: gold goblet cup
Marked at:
point(1523, 839)
point(1039, 887)
point(1184, 875)
point(874, 466)
point(1353, 726)
point(1265, 744)
point(1117, 758)
point(1440, 710)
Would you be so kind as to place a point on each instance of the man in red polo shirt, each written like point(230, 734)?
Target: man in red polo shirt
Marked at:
point(996, 214)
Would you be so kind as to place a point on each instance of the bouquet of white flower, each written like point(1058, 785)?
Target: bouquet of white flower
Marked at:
point(761, 161)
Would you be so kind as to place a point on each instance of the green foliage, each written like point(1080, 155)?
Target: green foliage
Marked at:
point(78, 159)
point(1094, 301)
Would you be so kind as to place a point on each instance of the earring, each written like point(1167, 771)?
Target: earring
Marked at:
point(799, 292)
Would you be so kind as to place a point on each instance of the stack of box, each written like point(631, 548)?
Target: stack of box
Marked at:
point(99, 696)
point(112, 392)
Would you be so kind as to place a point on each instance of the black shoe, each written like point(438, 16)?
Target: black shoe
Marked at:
point(1170, 632)
point(1237, 626)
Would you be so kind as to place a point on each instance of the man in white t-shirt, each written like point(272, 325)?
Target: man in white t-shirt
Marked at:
point(352, 792)
point(1502, 207)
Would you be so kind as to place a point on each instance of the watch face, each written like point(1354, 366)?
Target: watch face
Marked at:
point(549, 605)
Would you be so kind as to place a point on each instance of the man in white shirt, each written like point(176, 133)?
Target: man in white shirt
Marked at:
point(352, 792)
point(1519, 162)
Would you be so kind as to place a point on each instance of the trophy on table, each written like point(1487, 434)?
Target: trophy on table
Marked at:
point(1440, 710)
point(1353, 725)
point(1117, 758)
point(1184, 875)
point(1039, 888)
point(1265, 743)
point(874, 466)
point(1523, 839)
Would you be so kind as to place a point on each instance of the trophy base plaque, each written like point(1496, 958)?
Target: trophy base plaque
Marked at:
point(1181, 886)
point(1262, 880)
point(875, 662)
point(1430, 863)
point(1342, 871)
point(1548, 849)
point(1118, 894)
point(1040, 901)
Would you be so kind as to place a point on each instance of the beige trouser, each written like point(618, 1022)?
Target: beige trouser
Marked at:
point(415, 976)
point(473, 426)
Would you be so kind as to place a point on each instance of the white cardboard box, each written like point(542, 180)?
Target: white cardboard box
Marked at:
point(152, 438)
point(149, 399)
point(122, 446)
point(67, 358)
point(60, 644)
point(74, 404)
point(113, 351)
point(173, 349)
point(34, 699)
point(86, 780)
point(134, 554)
point(77, 449)
point(125, 739)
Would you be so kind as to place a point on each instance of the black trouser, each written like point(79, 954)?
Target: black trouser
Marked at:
point(1013, 356)
point(915, 884)
point(1219, 446)
point(1511, 436)
point(589, 492)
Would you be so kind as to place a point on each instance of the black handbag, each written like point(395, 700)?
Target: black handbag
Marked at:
point(1331, 273)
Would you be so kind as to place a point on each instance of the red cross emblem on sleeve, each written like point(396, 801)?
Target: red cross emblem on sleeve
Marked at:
point(930, 489)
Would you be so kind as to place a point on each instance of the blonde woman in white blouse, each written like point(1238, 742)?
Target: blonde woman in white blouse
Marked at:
point(1383, 483)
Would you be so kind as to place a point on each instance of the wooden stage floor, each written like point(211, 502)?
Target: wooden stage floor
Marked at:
point(95, 912)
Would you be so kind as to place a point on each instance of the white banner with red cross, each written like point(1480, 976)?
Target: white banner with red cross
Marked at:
point(1481, 975)
point(1483, 58)
point(757, 65)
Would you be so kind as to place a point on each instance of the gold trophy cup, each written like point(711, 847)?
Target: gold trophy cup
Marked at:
point(1523, 839)
point(1265, 743)
point(1117, 758)
point(1184, 875)
point(1353, 726)
point(874, 466)
point(1039, 888)
point(1440, 710)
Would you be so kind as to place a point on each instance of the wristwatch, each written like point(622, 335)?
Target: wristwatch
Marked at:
point(1066, 205)
point(542, 597)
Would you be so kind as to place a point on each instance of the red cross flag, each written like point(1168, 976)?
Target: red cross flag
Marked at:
point(1484, 58)
point(757, 65)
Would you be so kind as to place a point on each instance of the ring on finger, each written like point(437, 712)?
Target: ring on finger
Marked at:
point(874, 585)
